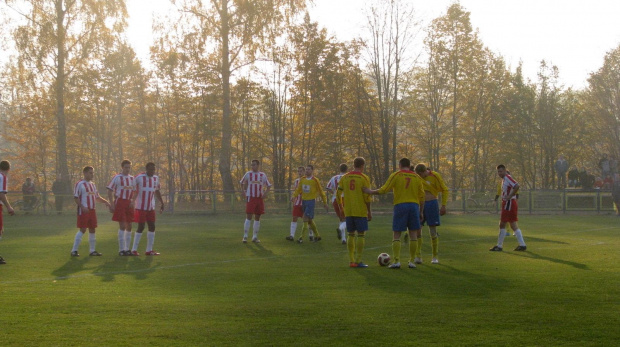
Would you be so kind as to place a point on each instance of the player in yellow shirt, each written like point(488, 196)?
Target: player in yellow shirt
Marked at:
point(408, 208)
point(433, 186)
point(309, 187)
point(356, 210)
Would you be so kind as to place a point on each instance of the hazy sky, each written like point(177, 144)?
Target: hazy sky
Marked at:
point(571, 34)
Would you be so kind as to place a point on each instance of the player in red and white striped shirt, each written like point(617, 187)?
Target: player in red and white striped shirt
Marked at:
point(510, 187)
point(147, 189)
point(120, 193)
point(256, 186)
point(85, 195)
point(5, 166)
point(332, 187)
point(297, 210)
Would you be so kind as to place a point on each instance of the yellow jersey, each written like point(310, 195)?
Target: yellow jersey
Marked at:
point(434, 184)
point(310, 188)
point(407, 187)
point(355, 201)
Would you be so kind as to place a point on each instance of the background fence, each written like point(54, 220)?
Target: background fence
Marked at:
point(463, 201)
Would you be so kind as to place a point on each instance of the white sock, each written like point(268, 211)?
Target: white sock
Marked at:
point(256, 229)
point(76, 242)
point(150, 240)
point(343, 230)
point(246, 228)
point(136, 241)
point(500, 238)
point(519, 236)
point(293, 228)
point(121, 240)
point(92, 241)
point(127, 239)
point(310, 232)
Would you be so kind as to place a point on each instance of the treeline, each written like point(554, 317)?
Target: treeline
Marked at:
point(231, 80)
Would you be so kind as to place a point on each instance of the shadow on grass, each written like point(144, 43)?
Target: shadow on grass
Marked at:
point(72, 266)
point(139, 267)
point(537, 239)
point(259, 250)
point(536, 256)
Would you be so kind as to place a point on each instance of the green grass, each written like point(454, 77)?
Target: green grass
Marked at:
point(207, 288)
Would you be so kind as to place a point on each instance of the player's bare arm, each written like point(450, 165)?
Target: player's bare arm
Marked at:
point(161, 201)
point(106, 202)
point(6, 203)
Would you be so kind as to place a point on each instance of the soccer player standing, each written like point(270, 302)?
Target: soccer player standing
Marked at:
point(5, 166)
point(85, 195)
point(356, 209)
point(309, 187)
point(297, 210)
point(120, 193)
point(147, 189)
point(510, 187)
point(256, 186)
point(408, 196)
point(433, 186)
point(332, 187)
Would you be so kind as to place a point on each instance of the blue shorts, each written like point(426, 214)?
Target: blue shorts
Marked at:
point(308, 207)
point(359, 224)
point(431, 213)
point(406, 217)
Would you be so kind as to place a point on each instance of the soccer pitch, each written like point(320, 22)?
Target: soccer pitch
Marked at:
point(209, 289)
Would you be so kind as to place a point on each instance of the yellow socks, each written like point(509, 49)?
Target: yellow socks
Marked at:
point(359, 247)
point(396, 250)
point(434, 244)
point(418, 251)
point(351, 247)
point(313, 227)
point(304, 230)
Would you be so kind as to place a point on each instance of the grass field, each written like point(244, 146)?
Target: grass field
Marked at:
point(209, 289)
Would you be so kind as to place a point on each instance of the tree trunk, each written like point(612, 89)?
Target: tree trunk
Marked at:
point(225, 151)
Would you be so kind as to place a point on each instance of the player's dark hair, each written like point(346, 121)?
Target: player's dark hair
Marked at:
point(5, 165)
point(500, 166)
point(420, 168)
point(301, 167)
point(310, 166)
point(359, 162)
point(404, 162)
point(343, 167)
point(87, 168)
point(125, 162)
point(150, 164)
point(255, 161)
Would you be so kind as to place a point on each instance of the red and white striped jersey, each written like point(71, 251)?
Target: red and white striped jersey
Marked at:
point(145, 188)
point(257, 182)
point(298, 199)
point(3, 185)
point(87, 194)
point(508, 184)
point(333, 185)
point(123, 186)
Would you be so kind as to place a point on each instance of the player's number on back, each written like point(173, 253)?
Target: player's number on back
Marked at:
point(352, 185)
point(408, 179)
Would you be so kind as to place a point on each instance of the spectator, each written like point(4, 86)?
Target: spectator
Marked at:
point(561, 168)
point(603, 164)
point(608, 183)
point(613, 166)
point(573, 177)
point(598, 183)
point(28, 190)
point(59, 188)
point(615, 193)
point(586, 179)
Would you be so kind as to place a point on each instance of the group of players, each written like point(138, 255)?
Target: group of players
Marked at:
point(131, 199)
point(416, 192)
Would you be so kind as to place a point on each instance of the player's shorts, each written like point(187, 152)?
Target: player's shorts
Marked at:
point(406, 217)
point(359, 224)
point(338, 210)
point(509, 211)
point(142, 216)
point(87, 219)
point(431, 213)
point(308, 207)
point(255, 206)
point(122, 211)
point(298, 211)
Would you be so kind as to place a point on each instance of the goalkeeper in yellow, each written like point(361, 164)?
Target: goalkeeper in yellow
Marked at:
point(309, 187)
point(408, 191)
point(433, 186)
point(356, 210)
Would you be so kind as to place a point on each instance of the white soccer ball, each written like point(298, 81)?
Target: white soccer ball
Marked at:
point(383, 259)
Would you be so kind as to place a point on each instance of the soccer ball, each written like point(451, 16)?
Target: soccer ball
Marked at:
point(383, 259)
